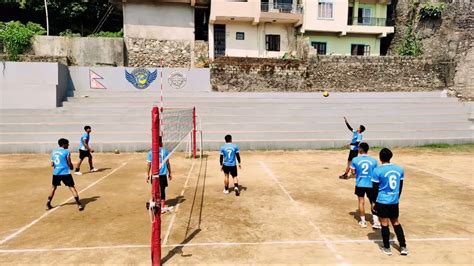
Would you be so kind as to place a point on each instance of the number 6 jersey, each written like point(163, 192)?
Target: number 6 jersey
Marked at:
point(388, 176)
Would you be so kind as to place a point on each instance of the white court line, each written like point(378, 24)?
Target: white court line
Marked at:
point(170, 226)
point(24, 228)
point(327, 243)
point(227, 244)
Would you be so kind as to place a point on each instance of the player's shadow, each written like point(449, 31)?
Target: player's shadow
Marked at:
point(179, 248)
point(98, 170)
point(376, 237)
point(103, 169)
point(368, 216)
point(242, 188)
point(84, 201)
point(175, 201)
point(204, 156)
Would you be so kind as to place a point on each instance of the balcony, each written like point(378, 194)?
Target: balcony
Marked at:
point(370, 21)
point(281, 13)
point(370, 25)
point(281, 8)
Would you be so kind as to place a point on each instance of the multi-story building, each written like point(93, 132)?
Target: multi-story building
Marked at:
point(346, 27)
point(165, 19)
point(253, 28)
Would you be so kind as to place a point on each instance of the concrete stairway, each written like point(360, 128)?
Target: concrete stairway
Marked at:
point(121, 120)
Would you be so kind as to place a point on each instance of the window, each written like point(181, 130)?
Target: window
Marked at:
point(325, 9)
point(364, 16)
point(360, 49)
point(240, 35)
point(272, 42)
point(320, 47)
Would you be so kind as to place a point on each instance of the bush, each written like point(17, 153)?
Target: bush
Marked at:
point(36, 28)
point(16, 37)
point(411, 45)
point(69, 33)
point(108, 34)
point(432, 10)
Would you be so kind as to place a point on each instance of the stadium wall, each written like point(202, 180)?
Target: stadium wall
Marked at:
point(28, 85)
point(81, 51)
point(335, 73)
point(114, 79)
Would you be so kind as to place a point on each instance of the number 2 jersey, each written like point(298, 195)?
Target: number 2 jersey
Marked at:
point(364, 166)
point(388, 176)
point(59, 158)
point(229, 151)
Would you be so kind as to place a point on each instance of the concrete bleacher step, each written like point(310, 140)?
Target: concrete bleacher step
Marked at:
point(256, 120)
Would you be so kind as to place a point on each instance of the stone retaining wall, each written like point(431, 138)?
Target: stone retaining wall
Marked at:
point(150, 53)
point(334, 73)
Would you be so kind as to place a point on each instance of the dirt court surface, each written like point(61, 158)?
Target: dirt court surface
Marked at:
point(293, 209)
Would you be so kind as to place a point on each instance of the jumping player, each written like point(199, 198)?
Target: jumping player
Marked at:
point(363, 166)
point(388, 184)
point(229, 154)
point(85, 151)
point(357, 136)
point(62, 166)
point(165, 173)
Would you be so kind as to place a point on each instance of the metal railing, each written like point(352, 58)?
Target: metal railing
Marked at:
point(281, 8)
point(370, 21)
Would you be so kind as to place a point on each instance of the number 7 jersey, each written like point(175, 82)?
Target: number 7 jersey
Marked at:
point(388, 176)
point(229, 151)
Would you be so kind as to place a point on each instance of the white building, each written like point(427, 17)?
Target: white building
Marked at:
point(253, 28)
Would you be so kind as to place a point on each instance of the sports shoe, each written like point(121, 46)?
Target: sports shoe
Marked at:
point(377, 226)
point(48, 206)
point(363, 224)
point(343, 176)
point(94, 170)
point(386, 251)
point(78, 173)
point(237, 191)
point(80, 207)
point(226, 191)
point(404, 251)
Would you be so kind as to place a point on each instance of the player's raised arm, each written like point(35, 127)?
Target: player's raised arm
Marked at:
point(347, 124)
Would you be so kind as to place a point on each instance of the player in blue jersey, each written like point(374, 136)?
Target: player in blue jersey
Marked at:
point(164, 174)
point(357, 136)
point(62, 166)
point(229, 156)
point(85, 150)
point(363, 167)
point(387, 181)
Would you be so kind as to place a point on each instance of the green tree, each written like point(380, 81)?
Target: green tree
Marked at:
point(16, 37)
point(77, 15)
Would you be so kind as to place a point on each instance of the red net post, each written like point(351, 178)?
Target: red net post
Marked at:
point(194, 133)
point(155, 191)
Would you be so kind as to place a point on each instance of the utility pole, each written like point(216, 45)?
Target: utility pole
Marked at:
point(47, 19)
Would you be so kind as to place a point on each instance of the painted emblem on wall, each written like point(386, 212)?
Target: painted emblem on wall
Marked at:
point(94, 80)
point(177, 80)
point(141, 78)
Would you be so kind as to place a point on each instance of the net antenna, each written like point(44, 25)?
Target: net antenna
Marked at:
point(174, 125)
